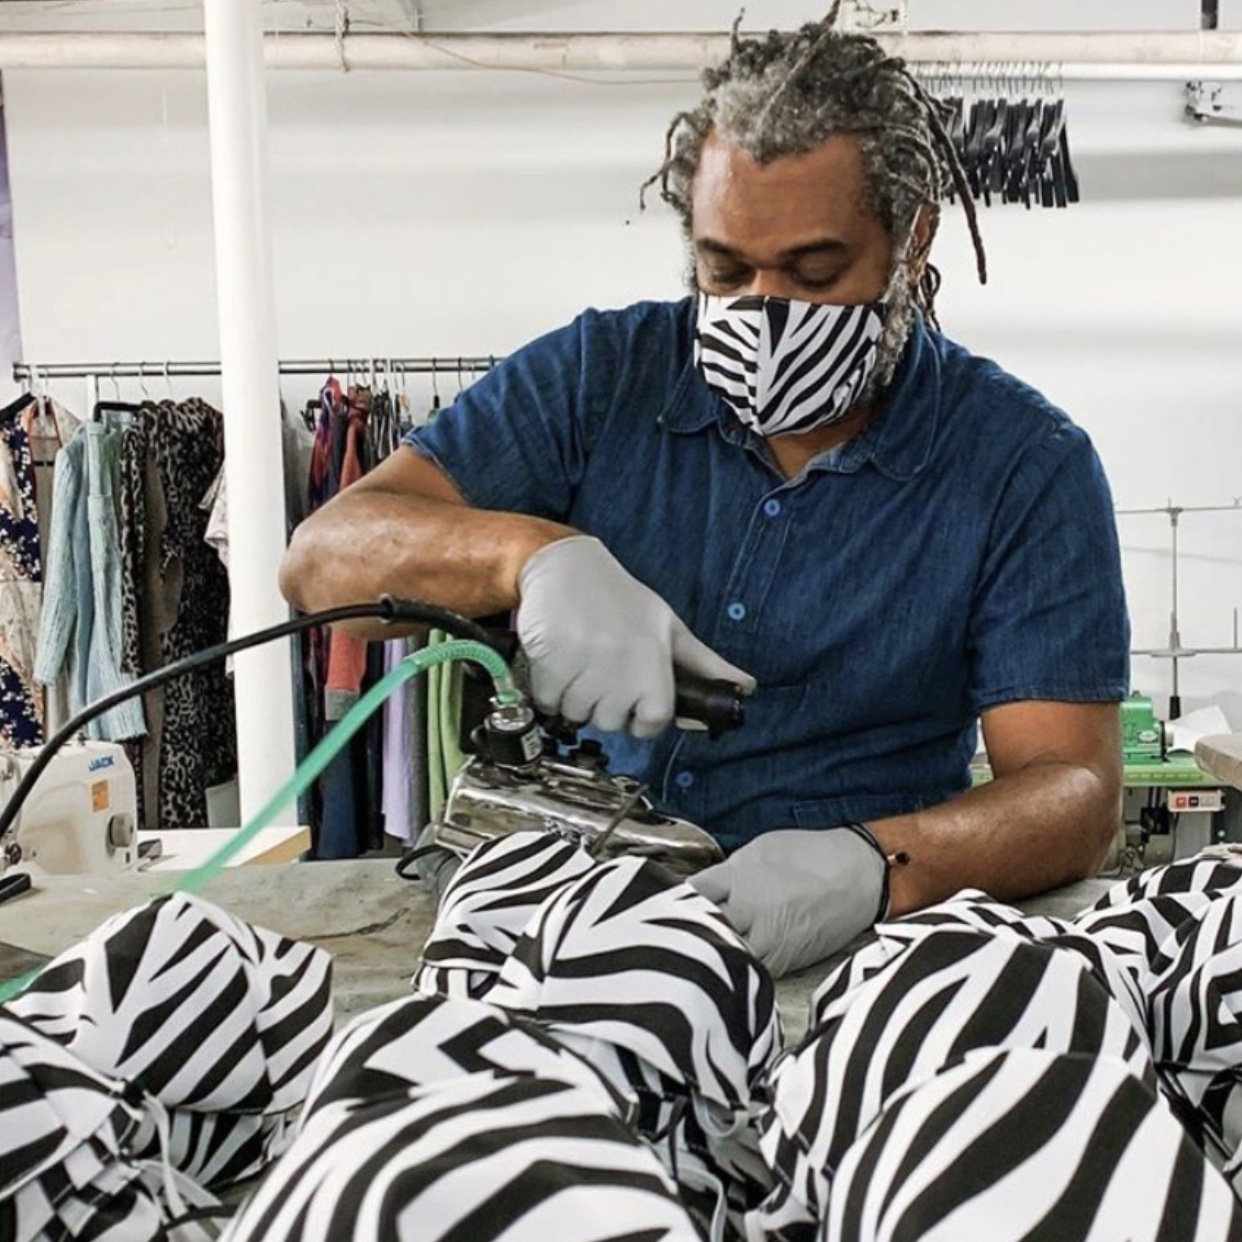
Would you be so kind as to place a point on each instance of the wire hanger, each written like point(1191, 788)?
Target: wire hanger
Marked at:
point(112, 407)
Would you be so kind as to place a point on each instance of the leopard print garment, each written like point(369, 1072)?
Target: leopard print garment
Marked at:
point(198, 747)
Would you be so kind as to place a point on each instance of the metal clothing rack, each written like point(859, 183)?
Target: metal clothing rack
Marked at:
point(30, 372)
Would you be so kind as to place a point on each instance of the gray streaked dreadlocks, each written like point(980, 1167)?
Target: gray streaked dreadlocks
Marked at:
point(788, 92)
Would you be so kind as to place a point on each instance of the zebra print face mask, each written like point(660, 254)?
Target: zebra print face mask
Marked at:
point(786, 367)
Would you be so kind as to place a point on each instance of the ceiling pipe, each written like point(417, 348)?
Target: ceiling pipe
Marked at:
point(1140, 55)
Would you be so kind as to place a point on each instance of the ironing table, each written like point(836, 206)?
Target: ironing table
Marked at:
point(372, 922)
point(1221, 757)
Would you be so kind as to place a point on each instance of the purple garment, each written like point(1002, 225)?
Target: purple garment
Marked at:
point(398, 799)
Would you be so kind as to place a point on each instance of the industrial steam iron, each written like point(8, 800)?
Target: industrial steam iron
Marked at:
point(529, 773)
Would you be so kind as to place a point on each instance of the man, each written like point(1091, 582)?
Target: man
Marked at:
point(790, 480)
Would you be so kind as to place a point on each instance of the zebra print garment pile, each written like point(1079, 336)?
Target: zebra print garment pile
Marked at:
point(207, 1028)
point(636, 973)
point(436, 1117)
point(487, 906)
point(952, 991)
point(592, 1054)
point(1028, 1145)
point(1178, 929)
point(972, 977)
point(474, 1158)
point(686, 1018)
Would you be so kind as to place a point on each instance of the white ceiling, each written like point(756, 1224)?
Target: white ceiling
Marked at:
point(292, 15)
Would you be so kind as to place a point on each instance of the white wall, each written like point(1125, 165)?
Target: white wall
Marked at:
point(460, 213)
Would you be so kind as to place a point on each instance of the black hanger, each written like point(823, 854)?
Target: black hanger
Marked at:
point(113, 407)
point(16, 407)
point(1068, 175)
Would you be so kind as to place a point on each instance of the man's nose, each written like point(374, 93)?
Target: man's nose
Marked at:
point(771, 283)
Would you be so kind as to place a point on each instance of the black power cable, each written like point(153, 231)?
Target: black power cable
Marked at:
point(389, 610)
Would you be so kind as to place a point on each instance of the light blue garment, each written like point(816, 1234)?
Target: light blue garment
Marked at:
point(81, 620)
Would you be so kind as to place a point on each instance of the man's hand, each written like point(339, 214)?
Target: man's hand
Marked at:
point(798, 897)
point(602, 646)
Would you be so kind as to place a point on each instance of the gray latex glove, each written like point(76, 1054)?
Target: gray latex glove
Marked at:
point(798, 897)
point(602, 647)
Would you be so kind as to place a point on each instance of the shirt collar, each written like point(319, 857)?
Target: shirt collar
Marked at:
point(898, 442)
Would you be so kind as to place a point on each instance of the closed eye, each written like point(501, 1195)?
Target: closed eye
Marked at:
point(726, 278)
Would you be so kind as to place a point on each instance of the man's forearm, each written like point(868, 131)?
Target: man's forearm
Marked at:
point(367, 543)
point(1024, 833)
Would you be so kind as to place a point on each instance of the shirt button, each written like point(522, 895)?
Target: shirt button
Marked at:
point(772, 508)
point(685, 780)
point(736, 611)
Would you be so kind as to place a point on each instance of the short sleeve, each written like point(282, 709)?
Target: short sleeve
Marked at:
point(517, 440)
point(1049, 619)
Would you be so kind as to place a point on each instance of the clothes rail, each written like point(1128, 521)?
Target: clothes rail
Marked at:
point(25, 372)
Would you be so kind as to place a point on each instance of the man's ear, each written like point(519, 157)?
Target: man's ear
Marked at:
point(921, 238)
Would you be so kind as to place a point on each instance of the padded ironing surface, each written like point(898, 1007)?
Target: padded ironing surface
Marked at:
point(1221, 756)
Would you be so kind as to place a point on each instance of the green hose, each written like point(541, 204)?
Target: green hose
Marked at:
point(313, 766)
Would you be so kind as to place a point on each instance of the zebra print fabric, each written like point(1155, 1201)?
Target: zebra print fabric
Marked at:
point(973, 910)
point(206, 1028)
point(1135, 919)
point(951, 992)
point(71, 1167)
point(488, 904)
point(478, 1157)
point(1028, 1146)
point(786, 366)
point(130, 999)
point(628, 958)
point(685, 1022)
point(593, 1055)
point(423, 1041)
point(1178, 933)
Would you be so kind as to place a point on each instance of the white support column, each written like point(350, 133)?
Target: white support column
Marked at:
point(253, 471)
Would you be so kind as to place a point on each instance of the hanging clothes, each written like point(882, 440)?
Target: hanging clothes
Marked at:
point(333, 825)
point(81, 622)
point(296, 445)
point(319, 492)
point(21, 574)
point(445, 758)
point(347, 656)
point(149, 607)
point(405, 750)
point(49, 427)
point(173, 453)
point(383, 427)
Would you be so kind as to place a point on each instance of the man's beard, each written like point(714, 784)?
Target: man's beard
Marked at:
point(894, 336)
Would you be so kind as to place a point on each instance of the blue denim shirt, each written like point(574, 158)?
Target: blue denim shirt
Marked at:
point(960, 554)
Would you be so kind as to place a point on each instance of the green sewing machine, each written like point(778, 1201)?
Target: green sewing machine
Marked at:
point(1142, 735)
point(1167, 795)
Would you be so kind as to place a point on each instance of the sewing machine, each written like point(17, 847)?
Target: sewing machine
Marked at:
point(1142, 735)
point(1173, 807)
point(81, 816)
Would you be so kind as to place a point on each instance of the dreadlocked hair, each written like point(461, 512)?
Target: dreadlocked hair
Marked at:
point(787, 93)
